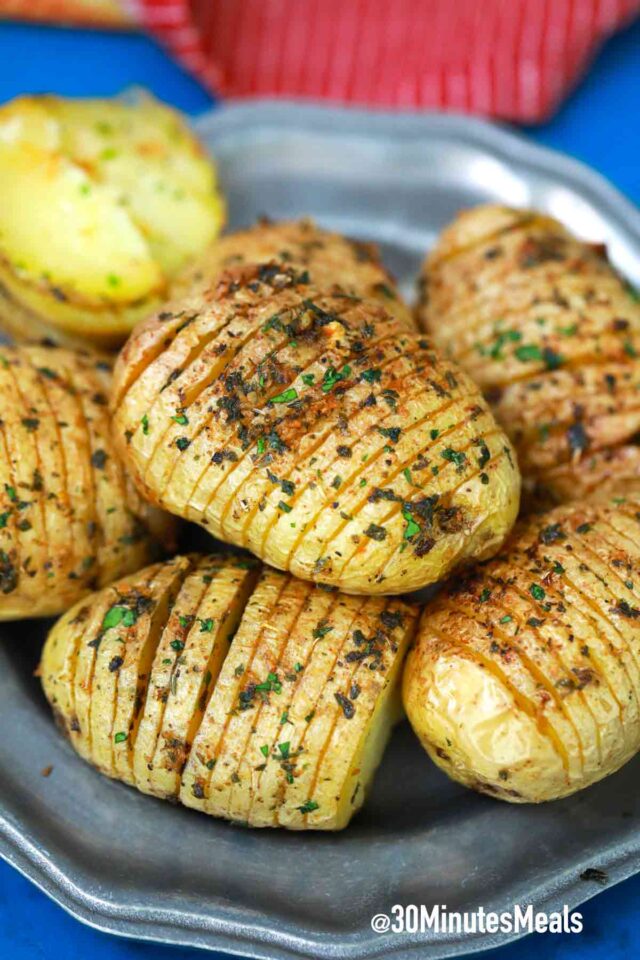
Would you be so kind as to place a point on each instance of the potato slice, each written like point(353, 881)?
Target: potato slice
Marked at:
point(525, 680)
point(228, 586)
point(155, 687)
point(262, 681)
point(369, 707)
point(226, 696)
point(69, 518)
point(58, 665)
point(299, 798)
point(551, 333)
point(272, 373)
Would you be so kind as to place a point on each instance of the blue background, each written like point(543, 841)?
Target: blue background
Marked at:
point(599, 125)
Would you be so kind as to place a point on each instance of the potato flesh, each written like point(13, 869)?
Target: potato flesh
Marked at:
point(296, 424)
point(69, 519)
point(333, 262)
point(549, 331)
point(282, 725)
point(525, 679)
point(138, 199)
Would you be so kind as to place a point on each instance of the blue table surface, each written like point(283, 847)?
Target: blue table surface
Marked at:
point(597, 125)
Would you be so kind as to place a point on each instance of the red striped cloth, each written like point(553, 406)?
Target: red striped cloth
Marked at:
point(514, 59)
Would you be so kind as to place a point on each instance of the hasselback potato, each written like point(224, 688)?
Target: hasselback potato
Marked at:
point(551, 333)
point(525, 679)
point(70, 519)
point(314, 429)
point(240, 691)
point(333, 262)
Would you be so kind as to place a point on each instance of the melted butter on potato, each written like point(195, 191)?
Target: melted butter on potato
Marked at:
point(103, 204)
point(315, 429)
point(240, 691)
point(551, 333)
point(524, 682)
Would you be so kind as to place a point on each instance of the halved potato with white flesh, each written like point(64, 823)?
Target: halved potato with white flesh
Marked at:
point(70, 519)
point(550, 332)
point(138, 200)
point(154, 685)
point(317, 431)
point(333, 263)
point(524, 682)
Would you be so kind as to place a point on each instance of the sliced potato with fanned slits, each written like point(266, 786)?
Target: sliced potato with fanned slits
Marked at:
point(524, 682)
point(551, 333)
point(316, 430)
point(201, 679)
point(70, 519)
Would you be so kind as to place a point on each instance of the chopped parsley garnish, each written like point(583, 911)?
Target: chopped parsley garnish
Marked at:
point(116, 615)
point(145, 424)
point(537, 592)
point(287, 396)
point(120, 737)
point(181, 418)
point(495, 350)
point(333, 376)
point(453, 456)
point(412, 528)
point(308, 806)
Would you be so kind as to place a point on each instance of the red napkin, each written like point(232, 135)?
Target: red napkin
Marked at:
point(514, 59)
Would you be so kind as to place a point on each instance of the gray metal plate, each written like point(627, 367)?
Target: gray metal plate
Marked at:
point(136, 866)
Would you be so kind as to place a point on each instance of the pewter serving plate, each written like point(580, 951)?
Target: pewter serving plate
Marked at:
point(136, 866)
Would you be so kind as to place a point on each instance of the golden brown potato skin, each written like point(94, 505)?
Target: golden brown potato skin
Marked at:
point(70, 519)
point(283, 725)
point(548, 330)
point(525, 679)
point(315, 430)
point(333, 262)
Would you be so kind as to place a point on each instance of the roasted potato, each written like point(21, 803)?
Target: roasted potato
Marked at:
point(70, 520)
point(551, 334)
point(283, 725)
point(332, 262)
point(103, 204)
point(525, 679)
point(316, 430)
